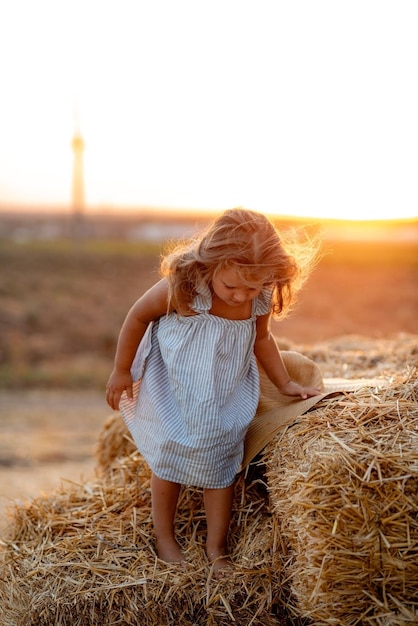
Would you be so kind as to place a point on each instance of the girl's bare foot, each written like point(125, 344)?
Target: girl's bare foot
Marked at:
point(221, 563)
point(168, 550)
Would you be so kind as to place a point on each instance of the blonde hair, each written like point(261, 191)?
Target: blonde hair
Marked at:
point(248, 242)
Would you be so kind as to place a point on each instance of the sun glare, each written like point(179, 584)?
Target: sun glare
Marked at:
point(283, 114)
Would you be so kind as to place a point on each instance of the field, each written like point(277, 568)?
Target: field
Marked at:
point(63, 303)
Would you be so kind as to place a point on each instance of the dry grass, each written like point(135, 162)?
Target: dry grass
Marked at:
point(61, 307)
point(85, 556)
point(328, 535)
point(344, 484)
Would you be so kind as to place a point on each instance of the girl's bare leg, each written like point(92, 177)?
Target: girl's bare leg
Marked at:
point(218, 508)
point(164, 504)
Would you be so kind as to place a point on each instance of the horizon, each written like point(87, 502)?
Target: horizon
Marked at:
point(25, 224)
point(178, 212)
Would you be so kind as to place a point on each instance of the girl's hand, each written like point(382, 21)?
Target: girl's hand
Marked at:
point(118, 383)
point(294, 389)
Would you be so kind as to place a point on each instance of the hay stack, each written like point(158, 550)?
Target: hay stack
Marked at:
point(114, 442)
point(344, 485)
point(332, 540)
point(356, 357)
point(84, 556)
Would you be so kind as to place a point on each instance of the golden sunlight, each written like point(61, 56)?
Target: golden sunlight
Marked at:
point(283, 115)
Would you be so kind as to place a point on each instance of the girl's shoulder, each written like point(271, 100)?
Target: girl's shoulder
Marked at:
point(154, 303)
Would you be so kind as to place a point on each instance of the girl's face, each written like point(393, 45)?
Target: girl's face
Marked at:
point(229, 287)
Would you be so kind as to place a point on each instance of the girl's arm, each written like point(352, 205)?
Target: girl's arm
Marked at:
point(268, 354)
point(149, 307)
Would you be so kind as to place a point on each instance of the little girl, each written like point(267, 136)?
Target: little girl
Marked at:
point(199, 332)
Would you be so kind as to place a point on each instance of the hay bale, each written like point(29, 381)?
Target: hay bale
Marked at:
point(114, 442)
point(343, 483)
point(84, 556)
point(353, 356)
point(332, 540)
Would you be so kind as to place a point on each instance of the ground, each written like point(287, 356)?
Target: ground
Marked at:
point(61, 313)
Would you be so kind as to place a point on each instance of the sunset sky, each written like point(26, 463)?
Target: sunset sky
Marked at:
point(303, 107)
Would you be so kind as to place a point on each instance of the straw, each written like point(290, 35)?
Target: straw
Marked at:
point(324, 528)
point(85, 555)
point(344, 486)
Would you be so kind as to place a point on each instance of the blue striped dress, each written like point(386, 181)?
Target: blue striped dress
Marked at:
point(197, 391)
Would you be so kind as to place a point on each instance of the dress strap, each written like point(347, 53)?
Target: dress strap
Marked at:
point(203, 301)
point(262, 304)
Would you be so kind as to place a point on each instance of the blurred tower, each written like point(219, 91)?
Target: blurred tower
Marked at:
point(78, 201)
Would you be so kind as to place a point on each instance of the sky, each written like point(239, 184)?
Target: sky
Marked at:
point(293, 107)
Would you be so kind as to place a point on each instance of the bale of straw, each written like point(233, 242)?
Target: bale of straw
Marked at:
point(354, 356)
point(114, 442)
point(332, 538)
point(84, 556)
point(343, 484)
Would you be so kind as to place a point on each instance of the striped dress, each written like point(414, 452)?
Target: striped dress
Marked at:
point(197, 392)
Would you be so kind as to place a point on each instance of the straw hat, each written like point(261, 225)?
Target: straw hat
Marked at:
point(276, 410)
